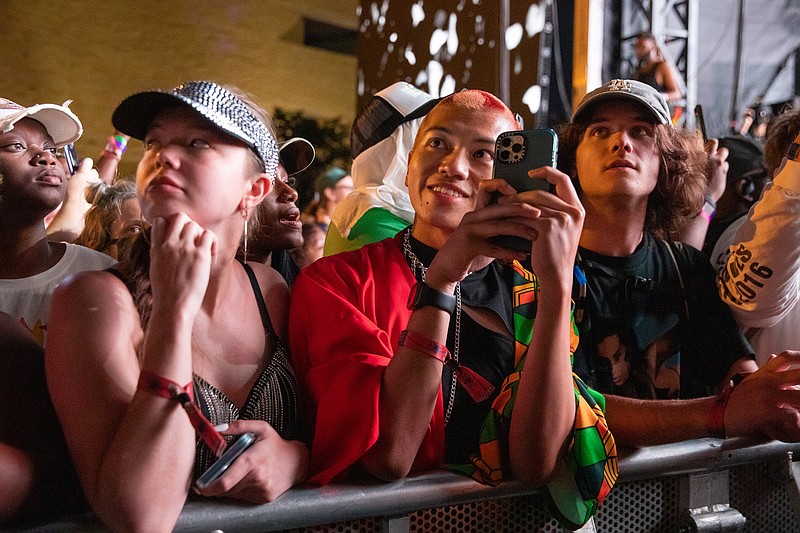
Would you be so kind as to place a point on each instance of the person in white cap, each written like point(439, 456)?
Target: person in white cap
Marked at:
point(32, 184)
point(180, 326)
point(380, 140)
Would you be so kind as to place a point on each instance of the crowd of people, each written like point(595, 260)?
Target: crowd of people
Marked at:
point(149, 324)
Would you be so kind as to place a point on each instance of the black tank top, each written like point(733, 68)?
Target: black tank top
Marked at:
point(647, 75)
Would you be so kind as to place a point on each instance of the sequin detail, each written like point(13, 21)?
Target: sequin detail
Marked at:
point(273, 399)
point(227, 111)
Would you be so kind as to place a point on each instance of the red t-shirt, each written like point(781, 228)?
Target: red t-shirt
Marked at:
point(347, 311)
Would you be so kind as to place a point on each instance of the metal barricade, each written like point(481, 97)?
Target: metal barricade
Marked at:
point(700, 485)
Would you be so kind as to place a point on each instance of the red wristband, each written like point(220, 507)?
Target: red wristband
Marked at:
point(476, 386)
point(716, 415)
point(166, 388)
point(159, 386)
point(423, 344)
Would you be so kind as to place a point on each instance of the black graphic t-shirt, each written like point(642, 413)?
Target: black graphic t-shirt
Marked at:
point(652, 326)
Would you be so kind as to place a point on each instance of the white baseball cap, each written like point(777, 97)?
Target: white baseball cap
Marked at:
point(61, 123)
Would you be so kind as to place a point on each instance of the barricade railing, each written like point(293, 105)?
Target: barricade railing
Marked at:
point(699, 485)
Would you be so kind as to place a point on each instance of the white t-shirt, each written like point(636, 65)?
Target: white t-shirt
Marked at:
point(760, 280)
point(28, 299)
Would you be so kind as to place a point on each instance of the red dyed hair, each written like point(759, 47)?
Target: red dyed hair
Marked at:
point(478, 100)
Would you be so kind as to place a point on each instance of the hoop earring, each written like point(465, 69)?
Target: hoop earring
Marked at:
point(245, 213)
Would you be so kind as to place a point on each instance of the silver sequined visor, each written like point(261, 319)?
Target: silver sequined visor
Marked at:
point(218, 105)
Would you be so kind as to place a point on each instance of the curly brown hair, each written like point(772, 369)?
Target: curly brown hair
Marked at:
point(681, 186)
point(781, 131)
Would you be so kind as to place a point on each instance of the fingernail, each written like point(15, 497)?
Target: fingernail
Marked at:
point(221, 427)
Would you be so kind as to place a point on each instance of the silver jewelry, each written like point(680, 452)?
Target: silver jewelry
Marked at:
point(246, 215)
point(417, 264)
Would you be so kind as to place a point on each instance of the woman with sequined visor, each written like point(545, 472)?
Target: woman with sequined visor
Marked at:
point(180, 326)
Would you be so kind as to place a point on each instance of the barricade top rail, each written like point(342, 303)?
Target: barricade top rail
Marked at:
point(309, 506)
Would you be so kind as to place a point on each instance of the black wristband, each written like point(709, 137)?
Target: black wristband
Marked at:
point(794, 152)
point(423, 296)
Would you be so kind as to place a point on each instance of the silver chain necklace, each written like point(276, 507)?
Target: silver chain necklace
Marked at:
point(417, 264)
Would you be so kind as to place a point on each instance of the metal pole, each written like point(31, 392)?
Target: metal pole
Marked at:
point(504, 75)
point(737, 69)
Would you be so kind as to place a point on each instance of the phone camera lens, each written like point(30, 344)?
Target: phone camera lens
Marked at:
point(516, 148)
point(504, 155)
point(506, 142)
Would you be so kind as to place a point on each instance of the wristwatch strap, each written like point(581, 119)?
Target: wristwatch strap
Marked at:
point(709, 208)
point(424, 296)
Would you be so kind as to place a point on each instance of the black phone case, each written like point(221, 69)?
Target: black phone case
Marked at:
point(516, 153)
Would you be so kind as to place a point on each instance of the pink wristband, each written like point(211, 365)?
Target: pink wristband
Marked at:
point(423, 344)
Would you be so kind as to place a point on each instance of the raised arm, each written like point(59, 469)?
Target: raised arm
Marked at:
point(412, 379)
point(68, 223)
point(134, 451)
point(695, 230)
point(760, 281)
point(545, 404)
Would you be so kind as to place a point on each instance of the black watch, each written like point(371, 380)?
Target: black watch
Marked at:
point(423, 296)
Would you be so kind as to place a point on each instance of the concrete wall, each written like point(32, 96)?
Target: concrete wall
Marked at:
point(97, 52)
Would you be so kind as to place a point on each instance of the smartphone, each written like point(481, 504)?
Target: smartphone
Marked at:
point(226, 459)
point(72, 157)
point(700, 124)
point(516, 153)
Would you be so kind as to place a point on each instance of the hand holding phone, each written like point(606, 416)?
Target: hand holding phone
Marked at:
point(517, 153)
point(226, 460)
point(72, 158)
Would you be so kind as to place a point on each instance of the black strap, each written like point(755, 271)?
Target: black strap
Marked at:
point(262, 305)
point(677, 252)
